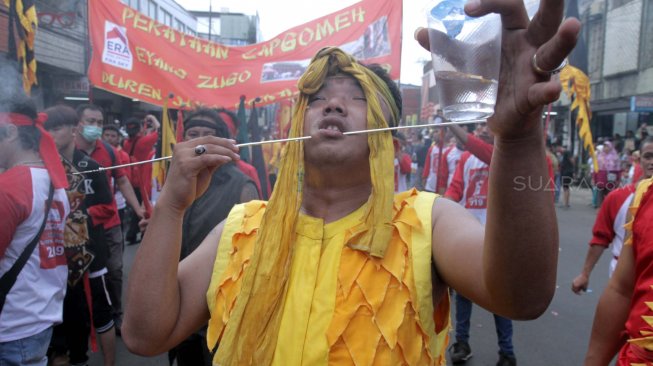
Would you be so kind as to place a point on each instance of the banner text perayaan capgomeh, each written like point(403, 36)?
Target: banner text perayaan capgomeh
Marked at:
point(287, 43)
point(307, 35)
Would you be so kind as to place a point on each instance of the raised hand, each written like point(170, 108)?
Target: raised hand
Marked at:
point(193, 164)
point(523, 90)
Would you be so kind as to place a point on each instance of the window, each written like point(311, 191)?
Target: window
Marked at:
point(613, 4)
point(180, 26)
point(166, 18)
point(595, 41)
point(131, 3)
point(151, 9)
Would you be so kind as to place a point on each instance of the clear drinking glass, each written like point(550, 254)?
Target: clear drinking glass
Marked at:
point(466, 55)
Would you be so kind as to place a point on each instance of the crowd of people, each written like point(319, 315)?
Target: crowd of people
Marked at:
point(86, 233)
point(354, 257)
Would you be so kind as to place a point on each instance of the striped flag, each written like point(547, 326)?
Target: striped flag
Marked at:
point(21, 33)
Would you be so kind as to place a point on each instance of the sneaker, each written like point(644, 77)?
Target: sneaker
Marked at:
point(506, 360)
point(460, 352)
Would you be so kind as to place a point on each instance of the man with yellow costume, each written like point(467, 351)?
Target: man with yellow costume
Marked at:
point(335, 268)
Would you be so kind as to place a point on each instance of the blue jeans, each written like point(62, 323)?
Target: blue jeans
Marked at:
point(558, 184)
point(30, 351)
point(503, 326)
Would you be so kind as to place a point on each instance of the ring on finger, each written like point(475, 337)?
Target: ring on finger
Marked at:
point(200, 149)
point(543, 72)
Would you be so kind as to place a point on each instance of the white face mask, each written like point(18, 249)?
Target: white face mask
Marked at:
point(91, 133)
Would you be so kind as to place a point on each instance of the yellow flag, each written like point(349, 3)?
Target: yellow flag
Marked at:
point(168, 140)
point(577, 85)
point(23, 23)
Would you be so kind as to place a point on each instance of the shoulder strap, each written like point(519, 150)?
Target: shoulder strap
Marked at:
point(9, 278)
point(131, 151)
point(112, 154)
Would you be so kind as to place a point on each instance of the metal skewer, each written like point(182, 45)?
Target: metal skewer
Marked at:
point(247, 144)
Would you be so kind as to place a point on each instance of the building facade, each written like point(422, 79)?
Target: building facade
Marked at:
point(620, 61)
point(224, 27)
point(167, 12)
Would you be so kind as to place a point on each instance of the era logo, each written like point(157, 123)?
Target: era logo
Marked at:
point(116, 47)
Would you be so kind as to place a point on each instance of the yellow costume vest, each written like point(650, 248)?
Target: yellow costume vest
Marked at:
point(342, 306)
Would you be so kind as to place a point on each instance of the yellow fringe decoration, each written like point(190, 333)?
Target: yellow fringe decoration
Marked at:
point(251, 335)
point(576, 84)
point(384, 313)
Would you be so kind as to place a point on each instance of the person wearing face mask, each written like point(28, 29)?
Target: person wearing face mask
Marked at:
point(86, 301)
point(89, 140)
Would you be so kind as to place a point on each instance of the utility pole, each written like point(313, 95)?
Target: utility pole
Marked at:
point(210, 19)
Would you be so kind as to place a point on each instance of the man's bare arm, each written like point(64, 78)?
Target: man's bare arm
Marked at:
point(612, 312)
point(521, 236)
point(514, 273)
point(166, 300)
point(127, 191)
point(581, 281)
point(509, 268)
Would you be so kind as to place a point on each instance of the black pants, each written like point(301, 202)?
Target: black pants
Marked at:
point(192, 351)
point(72, 335)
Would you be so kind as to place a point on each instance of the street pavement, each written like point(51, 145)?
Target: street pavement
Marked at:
point(558, 338)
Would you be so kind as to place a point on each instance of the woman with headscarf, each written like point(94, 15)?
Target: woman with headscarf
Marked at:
point(607, 179)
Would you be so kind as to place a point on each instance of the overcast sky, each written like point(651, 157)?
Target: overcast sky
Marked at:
point(276, 16)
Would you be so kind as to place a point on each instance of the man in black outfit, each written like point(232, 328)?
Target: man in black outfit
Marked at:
point(85, 246)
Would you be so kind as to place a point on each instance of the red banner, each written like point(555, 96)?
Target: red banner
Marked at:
point(137, 57)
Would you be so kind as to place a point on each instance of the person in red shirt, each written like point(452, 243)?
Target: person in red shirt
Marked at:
point(112, 135)
point(609, 226)
point(622, 322)
point(143, 135)
point(34, 209)
point(477, 144)
point(91, 119)
point(436, 172)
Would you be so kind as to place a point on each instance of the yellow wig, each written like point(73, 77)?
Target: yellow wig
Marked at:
point(250, 336)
